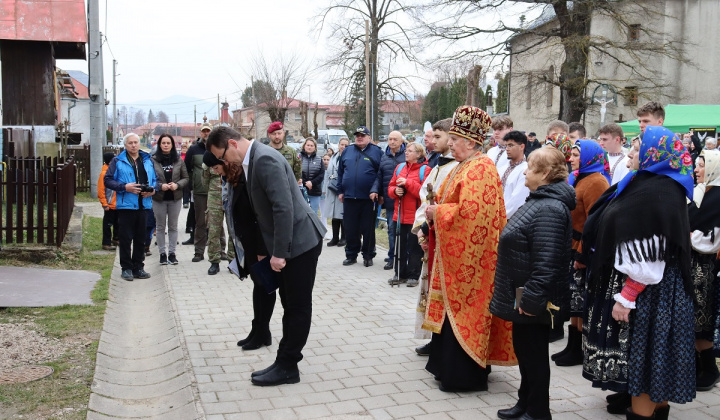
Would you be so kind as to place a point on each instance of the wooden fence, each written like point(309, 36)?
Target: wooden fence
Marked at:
point(81, 155)
point(37, 201)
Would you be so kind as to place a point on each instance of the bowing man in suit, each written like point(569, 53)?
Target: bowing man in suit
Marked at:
point(292, 235)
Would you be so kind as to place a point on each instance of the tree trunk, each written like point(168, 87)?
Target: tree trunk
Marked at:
point(473, 80)
point(573, 82)
point(304, 119)
point(315, 123)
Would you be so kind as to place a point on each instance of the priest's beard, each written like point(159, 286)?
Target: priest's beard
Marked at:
point(233, 172)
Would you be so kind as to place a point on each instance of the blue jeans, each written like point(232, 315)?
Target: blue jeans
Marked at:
point(392, 225)
point(314, 203)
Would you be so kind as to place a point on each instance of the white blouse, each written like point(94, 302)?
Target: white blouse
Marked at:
point(642, 270)
point(704, 244)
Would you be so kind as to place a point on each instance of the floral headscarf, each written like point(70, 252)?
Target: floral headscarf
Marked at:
point(662, 153)
point(712, 174)
point(593, 158)
point(562, 143)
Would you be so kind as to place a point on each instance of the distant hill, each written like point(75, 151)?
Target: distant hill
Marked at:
point(177, 105)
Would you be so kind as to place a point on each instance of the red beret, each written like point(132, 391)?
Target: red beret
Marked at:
point(277, 125)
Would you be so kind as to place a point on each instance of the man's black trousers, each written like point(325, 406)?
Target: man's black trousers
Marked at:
point(359, 221)
point(132, 225)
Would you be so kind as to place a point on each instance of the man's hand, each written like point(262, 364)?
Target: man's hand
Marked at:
point(621, 313)
point(430, 213)
point(277, 264)
point(308, 185)
point(381, 200)
point(340, 197)
point(148, 194)
point(373, 196)
point(132, 187)
point(260, 257)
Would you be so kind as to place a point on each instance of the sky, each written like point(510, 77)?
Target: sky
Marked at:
point(200, 49)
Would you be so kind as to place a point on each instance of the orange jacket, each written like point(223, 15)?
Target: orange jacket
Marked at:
point(107, 197)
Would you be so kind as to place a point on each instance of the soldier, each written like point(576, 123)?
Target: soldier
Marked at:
point(277, 136)
point(216, 242)
point(194, 163)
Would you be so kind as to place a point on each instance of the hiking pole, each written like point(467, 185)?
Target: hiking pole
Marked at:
point(396, 256)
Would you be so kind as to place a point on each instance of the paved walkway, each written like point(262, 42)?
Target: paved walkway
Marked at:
point(359, 361)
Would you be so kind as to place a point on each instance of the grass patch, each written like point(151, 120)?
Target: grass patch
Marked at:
point(84, 197)
point(66, 392)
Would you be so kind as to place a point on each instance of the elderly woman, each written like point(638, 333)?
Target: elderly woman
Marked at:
point(704, 213)
point(531, 278)
point(333, 206)
point(313, 172)
point(639, 331)
point(404, 189)
point(590, 180)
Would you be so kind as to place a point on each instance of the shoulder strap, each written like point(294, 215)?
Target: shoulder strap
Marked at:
point(375, 165)
point(421, 174)
point(399, 168)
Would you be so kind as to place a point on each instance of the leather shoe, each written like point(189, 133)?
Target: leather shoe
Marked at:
point(342, 242)
point(388, 266)
point(127, 275)
point(423, 350)
point(368, 262)
point(511, 413)
point(263, 371)
point(333, 242)
point(141, 274)
point(256, 341)
point(349, 261)
point(277, 376)
point(190, 241)
point(388, 259)
point(198, 257)
point(214, 269)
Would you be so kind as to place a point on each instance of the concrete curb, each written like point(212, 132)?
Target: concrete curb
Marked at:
point(142, 369)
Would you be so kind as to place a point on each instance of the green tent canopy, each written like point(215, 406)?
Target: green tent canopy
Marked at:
point(681, 118)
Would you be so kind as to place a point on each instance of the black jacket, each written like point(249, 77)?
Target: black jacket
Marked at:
point(313, 170)
point(388, 163)
point(534, 253)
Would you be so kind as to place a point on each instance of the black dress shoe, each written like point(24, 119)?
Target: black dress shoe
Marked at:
point(368, 262)
point(333, 242)
point(190, 241)
point(277, 376)
point(342, 242)
point(388, 266)
point(257, 341)
point(423, 350)
point(263, 371)
point(247, 339)
point(511, 413)
point(349, 261)
point(214, 269)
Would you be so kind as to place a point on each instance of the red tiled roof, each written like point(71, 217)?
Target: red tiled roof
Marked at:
point(82, 90)
point(43, 20)
point(334, 121)
point(334, 109)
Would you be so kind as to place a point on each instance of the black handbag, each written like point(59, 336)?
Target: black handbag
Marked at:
point(333, 185)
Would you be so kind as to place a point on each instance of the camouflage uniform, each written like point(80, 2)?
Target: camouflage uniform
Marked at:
point(216, 221)
point(293, 158)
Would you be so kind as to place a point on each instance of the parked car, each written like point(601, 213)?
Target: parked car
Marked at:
point(329, 139)
point(383, 145)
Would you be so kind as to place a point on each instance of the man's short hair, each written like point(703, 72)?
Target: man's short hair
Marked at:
point(502, 121)
point(652, 108)
point(558, 124)
point(516, 136)
point(443, 125)
point(128, 135)
point(219, 137)
point(576, 126)
point(613, 129)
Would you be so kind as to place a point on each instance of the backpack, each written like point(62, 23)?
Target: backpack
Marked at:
point(421, 174)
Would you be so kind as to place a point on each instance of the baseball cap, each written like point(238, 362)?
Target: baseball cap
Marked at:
point(532, 134)
point(362, 130)
point(206, 126)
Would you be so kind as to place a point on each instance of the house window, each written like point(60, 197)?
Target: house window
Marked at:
point(298, 117)
point(634, 33)
point(631, 95)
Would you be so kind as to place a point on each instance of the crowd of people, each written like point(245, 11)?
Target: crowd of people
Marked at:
point(506, 242)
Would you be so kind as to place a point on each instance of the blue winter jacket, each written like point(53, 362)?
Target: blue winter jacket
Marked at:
point(121, 172)
point(357, 171)
point(385, 174)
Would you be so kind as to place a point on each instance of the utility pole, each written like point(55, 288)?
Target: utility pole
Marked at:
point(98, 124)
point(367, 73)
point(115, 120)
point(195, 120)
point(255, 115)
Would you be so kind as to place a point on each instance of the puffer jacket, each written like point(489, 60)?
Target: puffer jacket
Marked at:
point(106, 196)
point(194, 165)
point(409, 202)
point(357, 171)
point(534, 253)
point(313, 170)
point(388, 163)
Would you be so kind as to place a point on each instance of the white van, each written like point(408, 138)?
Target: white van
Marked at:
point(329, 139)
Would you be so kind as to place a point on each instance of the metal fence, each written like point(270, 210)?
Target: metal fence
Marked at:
point(37, 196)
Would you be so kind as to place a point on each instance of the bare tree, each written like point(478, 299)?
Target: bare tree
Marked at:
point(280, 81)
point(564, 27)
point(390, 42)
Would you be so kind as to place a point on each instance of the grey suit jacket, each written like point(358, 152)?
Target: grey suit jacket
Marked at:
point(287, 222)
